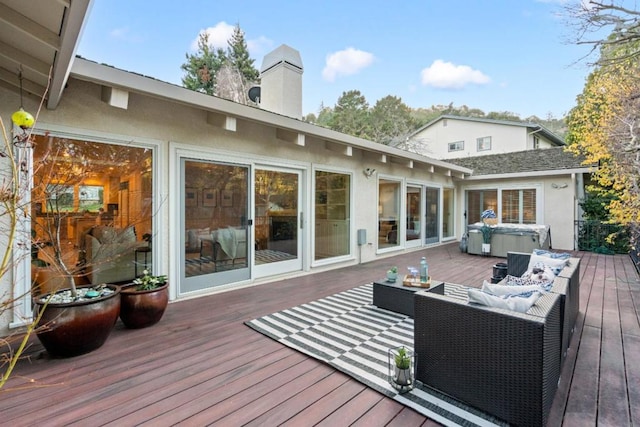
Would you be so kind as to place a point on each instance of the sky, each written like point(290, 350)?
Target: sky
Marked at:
point(494, 55)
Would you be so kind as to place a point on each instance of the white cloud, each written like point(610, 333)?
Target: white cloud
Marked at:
point(345, 63)
point(446, 75)
point(218, 36)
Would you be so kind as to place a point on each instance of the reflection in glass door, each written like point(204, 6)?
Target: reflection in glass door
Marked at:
point(432, 203)
point(332, 206)
point(414, 225)
point(215, 226)
point(389, 193)
point(277, 214)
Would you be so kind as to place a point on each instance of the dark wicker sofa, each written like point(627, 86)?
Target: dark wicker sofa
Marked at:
point(502, 362)
point(567, 284)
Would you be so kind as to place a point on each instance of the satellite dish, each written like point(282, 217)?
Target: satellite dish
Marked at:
point(254, 94)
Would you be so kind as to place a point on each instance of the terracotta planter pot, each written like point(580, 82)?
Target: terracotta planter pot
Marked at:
point(139, 309)
point(79, 327)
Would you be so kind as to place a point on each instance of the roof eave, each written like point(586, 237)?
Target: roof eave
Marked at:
point(528, 174)
point(101, 74)
point(74, 21)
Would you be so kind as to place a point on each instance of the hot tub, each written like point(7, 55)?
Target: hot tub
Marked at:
point(510, 238)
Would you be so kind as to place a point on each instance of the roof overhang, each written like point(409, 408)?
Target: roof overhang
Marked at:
point(225, 113)
point(38, 39)
point(529, 174)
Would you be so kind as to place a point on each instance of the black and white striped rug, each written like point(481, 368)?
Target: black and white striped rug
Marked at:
point(349, 333)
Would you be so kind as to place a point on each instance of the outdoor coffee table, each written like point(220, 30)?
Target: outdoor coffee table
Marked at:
point(394, 296)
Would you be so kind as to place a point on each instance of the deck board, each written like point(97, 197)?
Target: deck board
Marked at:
point(185, 370)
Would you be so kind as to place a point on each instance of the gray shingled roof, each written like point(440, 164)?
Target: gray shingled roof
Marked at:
point(547, 159)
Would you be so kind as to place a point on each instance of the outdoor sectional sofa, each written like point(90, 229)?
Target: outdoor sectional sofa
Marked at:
point(566, 283)
point(503, 362)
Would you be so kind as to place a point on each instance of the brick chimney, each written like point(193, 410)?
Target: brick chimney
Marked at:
point(281, 82)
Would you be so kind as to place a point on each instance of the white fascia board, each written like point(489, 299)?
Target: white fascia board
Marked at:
point(76, 16)
point(554, 172)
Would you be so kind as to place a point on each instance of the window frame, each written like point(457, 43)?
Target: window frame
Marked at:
point(481, 141)
point(452, 146)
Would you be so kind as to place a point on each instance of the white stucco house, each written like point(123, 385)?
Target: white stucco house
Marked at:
point(232, 195)
point(455, 137)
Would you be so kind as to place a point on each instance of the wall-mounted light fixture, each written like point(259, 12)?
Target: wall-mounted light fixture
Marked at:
point(368, 172)
point(559, 186)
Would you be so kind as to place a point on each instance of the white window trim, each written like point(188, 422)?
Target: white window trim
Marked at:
point(456, 144)
point(481, 140)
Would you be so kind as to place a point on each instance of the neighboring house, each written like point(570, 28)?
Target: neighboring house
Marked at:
point(454, 137)
point(232, 195)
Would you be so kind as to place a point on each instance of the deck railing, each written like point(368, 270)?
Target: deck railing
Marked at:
point(594, 236)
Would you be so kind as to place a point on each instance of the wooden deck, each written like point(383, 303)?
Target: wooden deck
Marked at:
point(202, 366)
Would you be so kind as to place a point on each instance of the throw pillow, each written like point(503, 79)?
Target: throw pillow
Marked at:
point(556, 264)
point(555, 255)
point(194, 236)
point(500, 289)
point(509, 302)
point(104, 234)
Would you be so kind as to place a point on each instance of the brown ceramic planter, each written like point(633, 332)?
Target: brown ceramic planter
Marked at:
point(76, 328)
point(139, 309)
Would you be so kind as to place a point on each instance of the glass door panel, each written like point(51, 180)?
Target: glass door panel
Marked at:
point(432, 203)
point(388, 213)
point(215, 228)
point(332, 214)
point(447, 212)
point(277, 215)
point(414, 225)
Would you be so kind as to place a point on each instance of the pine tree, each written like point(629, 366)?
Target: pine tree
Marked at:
point(238, 55)
point(390, 120)
point(351, 115)
point(202, 67)
point(228, 74)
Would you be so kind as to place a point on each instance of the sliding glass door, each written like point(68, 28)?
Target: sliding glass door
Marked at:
point(278, 201)
point(332, 209)
point(414, 223)
point(216, 237)
point(432, 209)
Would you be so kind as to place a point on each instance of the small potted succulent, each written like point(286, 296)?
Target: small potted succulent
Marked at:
point(143, 302)
point(402, 374)
point(392, 274)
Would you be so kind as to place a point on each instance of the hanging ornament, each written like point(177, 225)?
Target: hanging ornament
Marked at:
point(22, 118)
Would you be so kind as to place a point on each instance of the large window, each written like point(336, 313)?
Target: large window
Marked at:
point(92, 204)
point(519, 206)
point(478, 201)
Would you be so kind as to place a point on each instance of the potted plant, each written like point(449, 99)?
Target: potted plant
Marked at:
point(73, 319)
point(80, 320)
point(392, 274)
point(402, 374)
point(486, 231)
point(143, 302)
